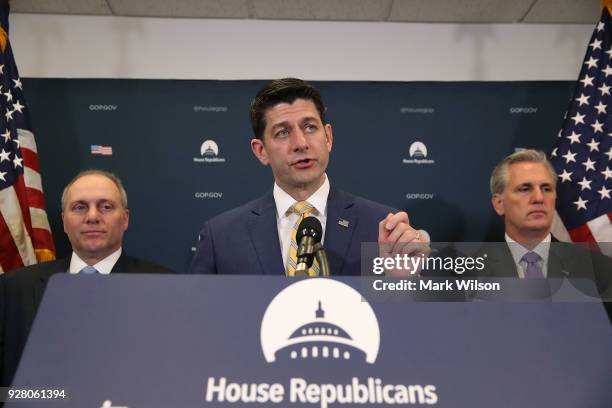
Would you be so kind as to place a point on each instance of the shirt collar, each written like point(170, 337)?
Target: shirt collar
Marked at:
point(518, 251)
point(103, 267)
point(284, 201)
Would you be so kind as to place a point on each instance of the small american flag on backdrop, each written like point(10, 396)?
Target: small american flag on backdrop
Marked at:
point(25, 235)
point(583, 155)
point(102, 150)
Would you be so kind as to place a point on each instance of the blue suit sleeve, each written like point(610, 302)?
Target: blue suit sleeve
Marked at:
point(204, 261)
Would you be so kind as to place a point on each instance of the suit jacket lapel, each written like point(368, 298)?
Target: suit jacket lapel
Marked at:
point(263, 232)
point(555, 264)
point(339, 227)
point(500, 262)
point(121, 265)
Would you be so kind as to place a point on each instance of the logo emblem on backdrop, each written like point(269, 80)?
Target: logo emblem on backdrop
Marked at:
point(101, 150)
point(420, 196)
point(418, 150)
point(524, 110)
point(100, 107)
point(418, 154)
point(209, 149)
point(209, 153)
point(319, 319)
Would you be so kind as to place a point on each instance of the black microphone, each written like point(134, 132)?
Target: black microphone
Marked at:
point(308, 234)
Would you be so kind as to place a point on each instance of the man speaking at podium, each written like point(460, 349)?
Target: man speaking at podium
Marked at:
point(95, 216)
point(291, 136)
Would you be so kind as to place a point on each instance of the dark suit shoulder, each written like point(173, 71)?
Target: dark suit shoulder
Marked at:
point(372, 205)
point(130, 264)
point(236, 214)
point(262, 204)
point(35, 272)
point(343, 201)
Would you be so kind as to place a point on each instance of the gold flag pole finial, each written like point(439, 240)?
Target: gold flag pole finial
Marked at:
point(3, 38)
point(607, 4)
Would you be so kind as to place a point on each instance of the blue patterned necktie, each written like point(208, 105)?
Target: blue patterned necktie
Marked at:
point(533, 269)
point(88, 270)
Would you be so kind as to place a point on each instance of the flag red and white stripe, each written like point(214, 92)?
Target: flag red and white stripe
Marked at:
point(25, 235)
point(583, 154)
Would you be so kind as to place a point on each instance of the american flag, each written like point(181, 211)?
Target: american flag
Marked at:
point(102, 150)
point(25, 235)
point(583, 155)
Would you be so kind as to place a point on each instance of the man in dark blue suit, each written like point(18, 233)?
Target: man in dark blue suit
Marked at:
point(291, 136)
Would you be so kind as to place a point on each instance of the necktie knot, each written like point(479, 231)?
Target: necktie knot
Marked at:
point(533, 269)
point(303, 208)
point(531, 257)
point(88, 270)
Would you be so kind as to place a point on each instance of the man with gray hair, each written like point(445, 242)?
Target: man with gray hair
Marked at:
point(523, 189)
point(523, 192)
point(95, 216)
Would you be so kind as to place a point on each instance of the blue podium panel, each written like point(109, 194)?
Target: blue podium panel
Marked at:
point(194, 341)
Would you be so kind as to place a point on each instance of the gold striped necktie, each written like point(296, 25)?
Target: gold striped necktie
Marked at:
point(303, 209)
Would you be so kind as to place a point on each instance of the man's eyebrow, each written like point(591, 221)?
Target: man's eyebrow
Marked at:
point(280, 124)
point(286, 123)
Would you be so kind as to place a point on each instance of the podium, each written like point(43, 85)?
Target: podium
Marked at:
point(259, 341)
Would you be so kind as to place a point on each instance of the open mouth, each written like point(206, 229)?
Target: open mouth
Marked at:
point(303, 164)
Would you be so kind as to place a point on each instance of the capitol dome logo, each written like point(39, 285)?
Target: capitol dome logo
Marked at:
point(209, 149)
point(418, 150)
point(319, 319)
point(209, 152)
point(418, 154)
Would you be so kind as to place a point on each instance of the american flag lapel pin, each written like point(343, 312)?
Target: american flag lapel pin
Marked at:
point(343, 223)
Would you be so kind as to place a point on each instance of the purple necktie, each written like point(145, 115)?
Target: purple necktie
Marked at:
point(533, 269)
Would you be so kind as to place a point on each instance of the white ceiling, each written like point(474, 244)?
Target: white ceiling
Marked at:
point(430, 11)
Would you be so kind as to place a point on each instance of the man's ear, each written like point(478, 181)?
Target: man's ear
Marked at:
point(127, 220)
point(63, 222)
point(259, 150)
point(329, 136)
point(498, 203)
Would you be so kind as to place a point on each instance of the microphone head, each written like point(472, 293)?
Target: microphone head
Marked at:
point(311, 227)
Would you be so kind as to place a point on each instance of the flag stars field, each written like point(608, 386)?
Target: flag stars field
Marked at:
point(583, 155)
point(569, 157)
point(574, 138)
point(566, 176)
point(604, 192)
point(22, 206)
point(584, 184)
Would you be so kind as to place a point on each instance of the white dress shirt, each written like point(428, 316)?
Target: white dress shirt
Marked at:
point(518, 251)
point(103, 267)
point(285, 219)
